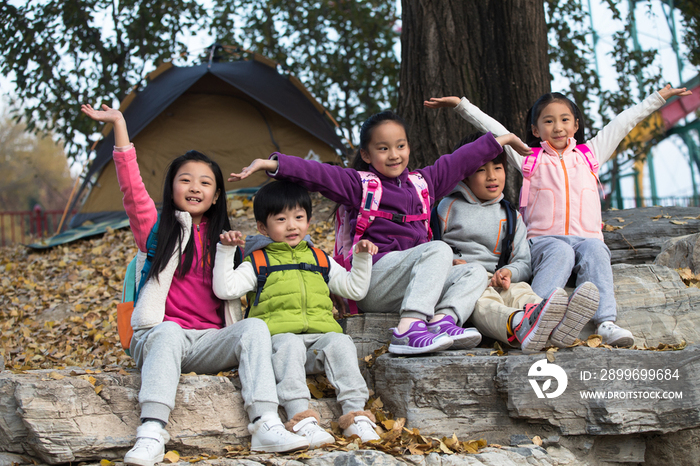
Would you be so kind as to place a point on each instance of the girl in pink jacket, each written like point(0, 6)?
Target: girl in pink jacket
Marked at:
point(560, 200)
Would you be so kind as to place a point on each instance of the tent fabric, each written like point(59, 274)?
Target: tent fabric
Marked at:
point(233, 112)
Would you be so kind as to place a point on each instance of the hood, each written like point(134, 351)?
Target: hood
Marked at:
point(463, 190)
point(255, 242)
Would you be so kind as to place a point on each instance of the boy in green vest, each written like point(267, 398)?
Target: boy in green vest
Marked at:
point(294, 301)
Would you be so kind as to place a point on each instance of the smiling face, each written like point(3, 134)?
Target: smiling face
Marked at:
point(289, 226)
point(388, 149)
point(194, 189)
point(556, 124)
point(488, 181)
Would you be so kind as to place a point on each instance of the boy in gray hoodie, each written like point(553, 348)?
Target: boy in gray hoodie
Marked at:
point(473, 221)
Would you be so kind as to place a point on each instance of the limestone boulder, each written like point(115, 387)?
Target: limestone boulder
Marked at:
point(637, 236)
point(68, 416)
point(603, 392)
point(655, 305)
point(681, 252)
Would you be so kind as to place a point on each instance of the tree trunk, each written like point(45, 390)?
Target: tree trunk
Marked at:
point(491, 51)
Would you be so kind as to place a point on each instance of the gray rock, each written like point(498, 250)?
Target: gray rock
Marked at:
point(655, 305)
point(642, 237)
point(519, 439)
point(486, 396)
point(60, 418)
point(681, 252)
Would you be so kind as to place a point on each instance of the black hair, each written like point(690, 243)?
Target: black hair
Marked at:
point(500, 158)
point(534, 113)
point(169, 231)
point(366, 135)
point(277, 196)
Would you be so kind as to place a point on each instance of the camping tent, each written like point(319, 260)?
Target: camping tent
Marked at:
point(232, 111)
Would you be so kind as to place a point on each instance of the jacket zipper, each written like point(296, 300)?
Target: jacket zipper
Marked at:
point(566, 186)
point(303, 293)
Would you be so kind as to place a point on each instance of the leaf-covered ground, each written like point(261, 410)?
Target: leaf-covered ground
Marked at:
point(59, 305)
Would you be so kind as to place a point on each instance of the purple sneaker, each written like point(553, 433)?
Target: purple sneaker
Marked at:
point(418, 340)
point(583, 303)
point(464, 338)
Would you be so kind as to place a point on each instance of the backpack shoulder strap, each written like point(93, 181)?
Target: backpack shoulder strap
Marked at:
point(151, 245)
point(322, 262)
point(435, 224)
point(371, 197)
point(590, 158)
point(424, 195)
point(260, 263)
point(507, 244)
point(528, 168)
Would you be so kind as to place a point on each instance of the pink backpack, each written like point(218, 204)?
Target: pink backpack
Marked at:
point(345, 239)
point(530, 163)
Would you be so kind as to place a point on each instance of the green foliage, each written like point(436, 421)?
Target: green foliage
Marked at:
point(572, 50)
point(342, 50)
point(690, 11)
point(65, 53)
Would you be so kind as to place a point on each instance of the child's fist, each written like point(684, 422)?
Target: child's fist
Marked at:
point(458, 261)
point(366, 246)
point(232, 238)
point(501, 279)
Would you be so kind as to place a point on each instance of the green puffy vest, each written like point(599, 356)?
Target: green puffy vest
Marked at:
point(294, 301)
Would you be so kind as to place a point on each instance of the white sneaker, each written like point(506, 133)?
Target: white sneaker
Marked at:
point(269, 435)
point(315, 434)
point(363, 427)
point(150, 445)
point(615, 336)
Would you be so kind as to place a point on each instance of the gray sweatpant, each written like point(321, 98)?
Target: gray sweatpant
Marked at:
point(421, 282)
point(555, 258)
point(163, 352)
point(295, 355)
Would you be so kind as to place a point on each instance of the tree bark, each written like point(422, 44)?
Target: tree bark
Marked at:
point(493, 52)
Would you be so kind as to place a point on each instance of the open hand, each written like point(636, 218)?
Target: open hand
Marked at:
point(439, 102)
point(232, 238)
point(668, 92)
point(106, 115)
point(514, 141)
point(366, 246)
point(257, 165)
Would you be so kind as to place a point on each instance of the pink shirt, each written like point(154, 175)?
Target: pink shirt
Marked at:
point(191, 302)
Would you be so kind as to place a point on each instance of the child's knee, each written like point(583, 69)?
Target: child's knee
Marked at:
point(288, 343)
point(439, 250)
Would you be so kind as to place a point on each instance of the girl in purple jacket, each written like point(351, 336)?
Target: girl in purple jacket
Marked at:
point(411, 275)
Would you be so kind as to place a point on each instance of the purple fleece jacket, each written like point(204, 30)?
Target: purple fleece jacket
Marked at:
point(343, 185)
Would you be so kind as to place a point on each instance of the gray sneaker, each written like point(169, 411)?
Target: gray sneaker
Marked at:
point(583, 303)
point(538, 322)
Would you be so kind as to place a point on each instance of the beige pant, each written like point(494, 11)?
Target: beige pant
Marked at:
point(494, 307)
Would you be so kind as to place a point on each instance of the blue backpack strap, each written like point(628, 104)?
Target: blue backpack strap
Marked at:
point(151, 245)
point(507, 244)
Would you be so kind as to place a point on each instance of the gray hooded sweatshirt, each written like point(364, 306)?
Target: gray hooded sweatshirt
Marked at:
point(475, 231)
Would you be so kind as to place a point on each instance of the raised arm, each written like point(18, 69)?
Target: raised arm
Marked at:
point(110, 115)
point(606, 141)
point(138, 204)
point(480, 120)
